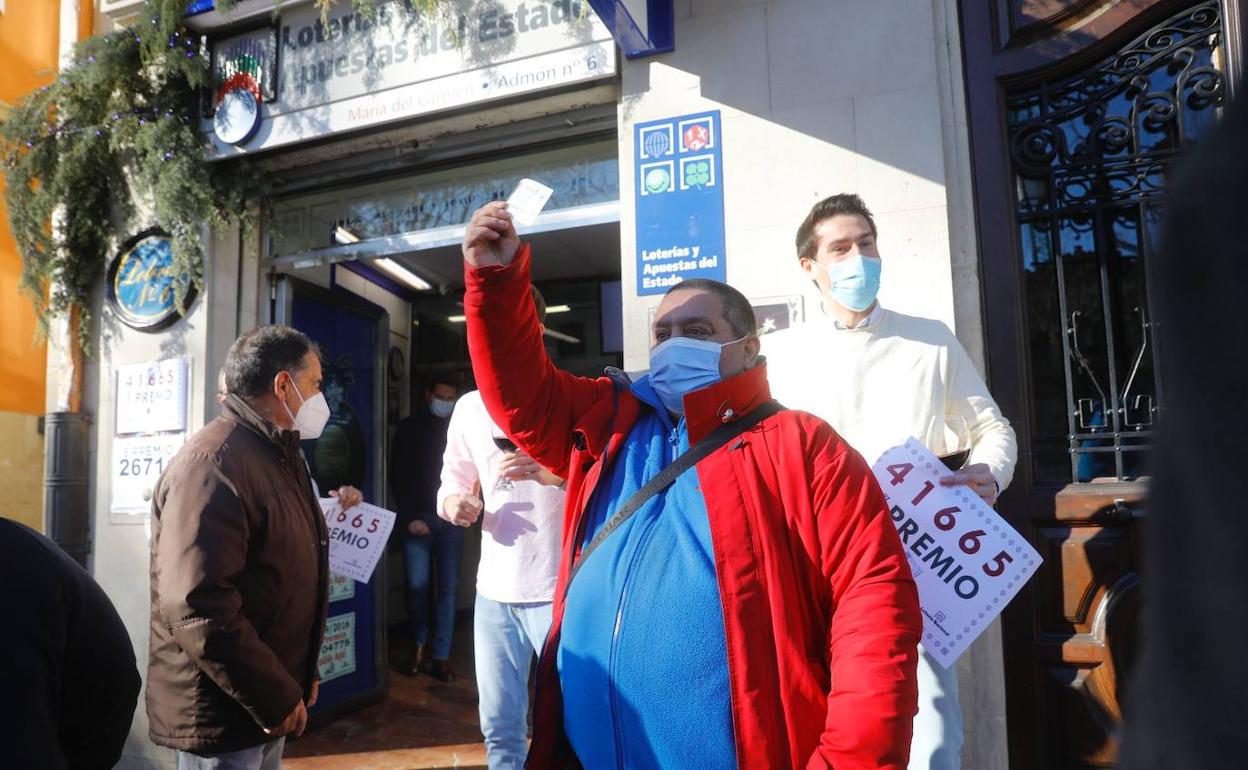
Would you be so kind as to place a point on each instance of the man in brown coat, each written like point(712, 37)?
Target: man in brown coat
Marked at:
point(240, 565)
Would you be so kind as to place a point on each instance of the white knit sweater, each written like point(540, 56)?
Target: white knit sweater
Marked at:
point(881, 383)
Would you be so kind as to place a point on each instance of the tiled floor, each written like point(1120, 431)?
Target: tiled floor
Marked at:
point(422, 725)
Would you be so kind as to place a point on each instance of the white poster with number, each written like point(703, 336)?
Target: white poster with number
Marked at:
point(138, 462)
point(357, 537)
point(151, 396)
point(967, 561)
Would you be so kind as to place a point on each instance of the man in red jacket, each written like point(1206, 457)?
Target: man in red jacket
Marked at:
point(756, 612)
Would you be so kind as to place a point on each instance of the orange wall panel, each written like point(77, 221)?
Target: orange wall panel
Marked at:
point(29, 42)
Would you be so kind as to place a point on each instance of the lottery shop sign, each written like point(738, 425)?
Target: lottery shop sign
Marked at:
point(967, 562)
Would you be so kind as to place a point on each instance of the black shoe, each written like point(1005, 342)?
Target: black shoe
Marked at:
point(442, 671)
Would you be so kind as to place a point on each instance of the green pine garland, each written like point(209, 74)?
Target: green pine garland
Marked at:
point(121, 122)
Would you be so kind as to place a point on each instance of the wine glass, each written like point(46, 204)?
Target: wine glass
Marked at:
point(507, 445)
point(949, 436)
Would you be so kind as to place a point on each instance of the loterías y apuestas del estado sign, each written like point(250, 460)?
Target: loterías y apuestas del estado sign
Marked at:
point(310, 79)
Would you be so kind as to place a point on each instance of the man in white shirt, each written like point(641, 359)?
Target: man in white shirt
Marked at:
point(520, 546)
point(879, 377)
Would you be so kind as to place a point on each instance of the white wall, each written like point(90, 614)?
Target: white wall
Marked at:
point(820, 97)
point(120, 558)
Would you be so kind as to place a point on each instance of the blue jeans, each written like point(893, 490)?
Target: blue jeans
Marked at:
point(266, 756)
point(937, 743)
point(505, 636)
point(439, 550)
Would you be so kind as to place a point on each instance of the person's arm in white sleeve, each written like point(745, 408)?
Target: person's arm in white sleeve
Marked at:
point(993, 441)
point(459, 469)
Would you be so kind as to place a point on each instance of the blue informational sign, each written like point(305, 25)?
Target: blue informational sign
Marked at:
point(680, 201)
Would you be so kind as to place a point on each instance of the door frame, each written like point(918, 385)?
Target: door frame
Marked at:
point(285, 287)
point(999, 62)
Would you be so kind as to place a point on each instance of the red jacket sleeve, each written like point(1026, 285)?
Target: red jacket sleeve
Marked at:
point(876, 623)
point(535, 403)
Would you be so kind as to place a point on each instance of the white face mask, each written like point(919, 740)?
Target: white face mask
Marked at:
point(312, 415)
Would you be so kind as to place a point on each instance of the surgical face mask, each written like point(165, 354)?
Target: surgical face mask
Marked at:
point(441, 407)
point(854, 282)
point(681, 365)
point(312, 415)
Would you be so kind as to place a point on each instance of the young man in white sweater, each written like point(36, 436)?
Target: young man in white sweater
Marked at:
point(879, 377)
point(522, 520)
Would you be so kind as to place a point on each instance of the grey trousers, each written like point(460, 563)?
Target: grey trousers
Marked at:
point(266, 756)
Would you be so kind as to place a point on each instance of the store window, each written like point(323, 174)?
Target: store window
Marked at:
point(428, 209)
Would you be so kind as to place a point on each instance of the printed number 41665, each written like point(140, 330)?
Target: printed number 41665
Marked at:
point(357, 522)
point(946, 519)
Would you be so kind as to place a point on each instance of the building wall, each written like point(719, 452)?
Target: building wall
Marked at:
point(28, 54)
point(817, 97)
point(820, 97)
point(120, 555)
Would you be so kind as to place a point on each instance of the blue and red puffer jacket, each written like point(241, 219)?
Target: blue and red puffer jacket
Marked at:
point(820, 614)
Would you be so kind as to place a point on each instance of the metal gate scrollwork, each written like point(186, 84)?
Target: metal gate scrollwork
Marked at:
point(1090, 156)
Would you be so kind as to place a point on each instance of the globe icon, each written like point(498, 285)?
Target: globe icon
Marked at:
point(656, 143)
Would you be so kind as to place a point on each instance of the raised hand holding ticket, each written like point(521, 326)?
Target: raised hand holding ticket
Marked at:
point(527, 201)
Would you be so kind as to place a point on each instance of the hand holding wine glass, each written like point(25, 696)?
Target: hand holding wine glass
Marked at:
point(949, 437)
point(518, 466)
point(508, 446)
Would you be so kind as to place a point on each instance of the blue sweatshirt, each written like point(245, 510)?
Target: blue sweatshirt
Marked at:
point(642, 659)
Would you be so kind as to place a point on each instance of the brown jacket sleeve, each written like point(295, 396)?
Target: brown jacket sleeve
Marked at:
point(200, 557)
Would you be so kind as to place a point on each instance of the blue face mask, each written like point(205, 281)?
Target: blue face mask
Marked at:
point(441, 408)
point(681, 365)
point(854, 282)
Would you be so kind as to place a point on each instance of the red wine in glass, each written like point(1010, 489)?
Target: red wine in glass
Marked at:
point(504, 443)
point(955, 461)
point(949, 438)
point(507, 445)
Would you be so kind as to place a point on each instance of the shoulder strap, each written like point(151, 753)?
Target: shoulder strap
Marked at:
point(712, 441)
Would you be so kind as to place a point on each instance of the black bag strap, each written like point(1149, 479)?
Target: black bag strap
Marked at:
point(709, 443)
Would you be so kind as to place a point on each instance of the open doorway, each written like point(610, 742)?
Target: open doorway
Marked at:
point(577, 269)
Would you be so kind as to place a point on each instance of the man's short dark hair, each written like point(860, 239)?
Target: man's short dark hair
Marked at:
point(539, 303)
point(836, 205)
point(737, 309)
point(256, 358)
point(434, 380)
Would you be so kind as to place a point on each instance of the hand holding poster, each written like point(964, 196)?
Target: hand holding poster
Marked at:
point(967, 561)
point(357, 537)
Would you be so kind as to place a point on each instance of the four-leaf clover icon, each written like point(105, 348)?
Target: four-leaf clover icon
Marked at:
point(697, 173)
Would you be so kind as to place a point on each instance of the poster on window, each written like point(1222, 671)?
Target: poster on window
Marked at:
point(340, 587)
point(337, 648)
point(967, 561)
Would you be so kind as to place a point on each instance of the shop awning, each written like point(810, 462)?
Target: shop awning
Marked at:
point(640, 27)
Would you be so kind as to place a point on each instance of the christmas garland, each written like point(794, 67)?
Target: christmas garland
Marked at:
point(120, 125)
